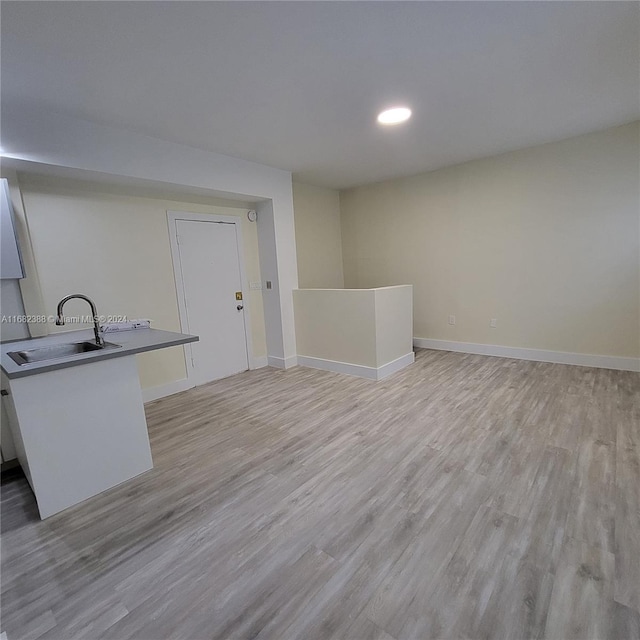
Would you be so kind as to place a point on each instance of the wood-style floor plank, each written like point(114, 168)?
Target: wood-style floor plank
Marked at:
point(463, 497)
point(582, 593)
point(627, 516)
point(593, 505)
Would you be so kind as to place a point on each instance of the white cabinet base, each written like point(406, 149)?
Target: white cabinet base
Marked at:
point(79, 431)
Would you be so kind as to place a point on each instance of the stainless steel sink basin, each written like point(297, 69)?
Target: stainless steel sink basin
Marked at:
point(56, 351)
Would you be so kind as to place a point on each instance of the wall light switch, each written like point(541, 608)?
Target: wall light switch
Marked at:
point(494, 323)
point(255, 286)
point(268, 284)
point(452, 320)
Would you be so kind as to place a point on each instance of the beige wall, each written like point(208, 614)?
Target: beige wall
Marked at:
point(336, 325)
point(318, 236)
point(114, 247)
point(545, 240)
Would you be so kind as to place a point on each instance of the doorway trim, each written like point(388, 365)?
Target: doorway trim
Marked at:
point(172, 217)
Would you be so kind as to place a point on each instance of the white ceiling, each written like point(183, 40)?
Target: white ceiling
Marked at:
point(298, 85)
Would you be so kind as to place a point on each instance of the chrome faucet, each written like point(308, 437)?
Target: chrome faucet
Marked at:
point(96, 326)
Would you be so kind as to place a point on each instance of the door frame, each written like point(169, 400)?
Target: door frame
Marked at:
point(172, 218)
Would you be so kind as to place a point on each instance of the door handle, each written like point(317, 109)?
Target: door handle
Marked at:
point(239, 307)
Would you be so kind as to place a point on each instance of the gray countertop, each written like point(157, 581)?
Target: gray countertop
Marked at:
point(131, 342)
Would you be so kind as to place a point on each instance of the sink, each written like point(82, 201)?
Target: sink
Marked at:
point(56, 351)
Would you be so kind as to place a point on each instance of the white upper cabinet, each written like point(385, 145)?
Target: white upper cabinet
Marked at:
point(10, 261)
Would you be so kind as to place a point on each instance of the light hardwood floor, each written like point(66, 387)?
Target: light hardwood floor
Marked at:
point(464, 497)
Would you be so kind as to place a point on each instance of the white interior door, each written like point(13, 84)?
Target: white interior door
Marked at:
point(211, 276)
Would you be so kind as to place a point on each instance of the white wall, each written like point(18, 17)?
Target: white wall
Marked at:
point(36, 139)
point(114, 247)
point(318, 237)
point(394, 323)
point(545, 240)
point(11, 305)
point(30, 294)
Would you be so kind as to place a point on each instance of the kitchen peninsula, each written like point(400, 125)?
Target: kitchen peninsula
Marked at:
point(78, 420)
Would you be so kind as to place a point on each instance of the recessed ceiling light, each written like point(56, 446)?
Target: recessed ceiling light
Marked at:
point(394, 116)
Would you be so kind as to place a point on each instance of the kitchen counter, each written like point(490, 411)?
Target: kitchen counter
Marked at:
point(130, 342)
point(78, 422)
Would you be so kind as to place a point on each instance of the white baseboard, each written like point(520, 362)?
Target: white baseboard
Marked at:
point(371, 373)
point(282, 363)
point(154, 393)
point(537, 355)
point(259, 362)
point(395, 365)
point(359, 370)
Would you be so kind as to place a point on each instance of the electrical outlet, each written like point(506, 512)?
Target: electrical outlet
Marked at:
point(452, 320)
point(494, 323)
